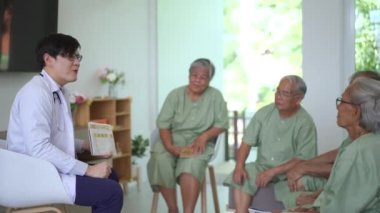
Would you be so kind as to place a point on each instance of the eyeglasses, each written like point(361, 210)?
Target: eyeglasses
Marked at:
point(340, 100)
point(74, 57)
point(285, 94)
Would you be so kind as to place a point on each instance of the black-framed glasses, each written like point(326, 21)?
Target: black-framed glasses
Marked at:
point(74, 57)
point(340, 100)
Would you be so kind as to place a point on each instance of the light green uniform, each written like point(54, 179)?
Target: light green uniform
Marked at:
point(312, 183)
point(278, 141)
point(354, 183)
point(186, 120)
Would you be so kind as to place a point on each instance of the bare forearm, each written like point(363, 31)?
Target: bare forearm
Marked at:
point(212, 133)
point(283, 168)
point(317, 169)
point(328, 157)
point(242, 155)
point(166, 137)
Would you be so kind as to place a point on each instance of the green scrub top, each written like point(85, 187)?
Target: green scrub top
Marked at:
point(315, 183)
point(354, 183)
point(187, 119)
point(279, 140)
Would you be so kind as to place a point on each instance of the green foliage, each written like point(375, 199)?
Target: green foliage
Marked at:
point(366, 51)
point(139, 145)
point(270, 25)
point(266, 95)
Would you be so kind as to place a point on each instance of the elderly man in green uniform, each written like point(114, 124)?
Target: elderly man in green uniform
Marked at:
point(284, 134)
point(190, 119)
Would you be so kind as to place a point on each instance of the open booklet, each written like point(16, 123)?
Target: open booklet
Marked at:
point(187, 152)
point(101, 139)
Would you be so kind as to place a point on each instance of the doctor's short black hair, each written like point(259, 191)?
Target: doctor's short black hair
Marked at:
point(54, 45)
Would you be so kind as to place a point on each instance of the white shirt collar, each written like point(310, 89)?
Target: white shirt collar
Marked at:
point(54, 86)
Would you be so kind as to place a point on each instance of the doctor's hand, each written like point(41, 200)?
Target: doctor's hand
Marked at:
point(100, 170)
point(86, 146)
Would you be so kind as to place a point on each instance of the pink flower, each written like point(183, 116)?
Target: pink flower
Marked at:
point(77, 98)
point(102, 72)
point(80, 99)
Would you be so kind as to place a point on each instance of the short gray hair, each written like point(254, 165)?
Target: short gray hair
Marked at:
point(366, 93)
point(366, 73)
point(203, 62)
point(298, 81)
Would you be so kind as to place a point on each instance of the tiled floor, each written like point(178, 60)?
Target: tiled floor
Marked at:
point(140, 201)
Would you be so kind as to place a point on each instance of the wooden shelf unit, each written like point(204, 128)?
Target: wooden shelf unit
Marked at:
point(116, 112)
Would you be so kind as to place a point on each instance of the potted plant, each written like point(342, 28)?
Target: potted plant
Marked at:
point(139, 145)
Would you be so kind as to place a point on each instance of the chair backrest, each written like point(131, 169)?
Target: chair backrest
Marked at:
point(154, 137)
point(26, 181)
point(218, 144)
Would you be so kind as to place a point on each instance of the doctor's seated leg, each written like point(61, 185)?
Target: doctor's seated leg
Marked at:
point(104, 195)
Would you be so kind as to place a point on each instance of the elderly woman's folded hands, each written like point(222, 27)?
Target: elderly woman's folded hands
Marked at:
point(199, 144)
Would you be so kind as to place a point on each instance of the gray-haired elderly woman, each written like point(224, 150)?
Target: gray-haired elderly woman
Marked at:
point(354, 183)
point(191, 117)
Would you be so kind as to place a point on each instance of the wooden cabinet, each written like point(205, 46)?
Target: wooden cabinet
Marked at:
point(116, 112)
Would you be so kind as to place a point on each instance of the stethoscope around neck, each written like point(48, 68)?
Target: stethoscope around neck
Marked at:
point(55, 94)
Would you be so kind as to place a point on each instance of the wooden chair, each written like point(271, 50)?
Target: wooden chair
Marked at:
point(30, 184)
point(211, 172)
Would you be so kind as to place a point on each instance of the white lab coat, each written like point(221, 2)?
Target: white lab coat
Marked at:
point(40, 125)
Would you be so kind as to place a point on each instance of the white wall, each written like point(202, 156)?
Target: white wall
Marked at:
point(10, 83)
point(187, 30)
point(114, 34)
point(324, 71)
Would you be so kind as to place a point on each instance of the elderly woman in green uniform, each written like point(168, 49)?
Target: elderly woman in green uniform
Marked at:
point(354, 183)
point(312, 174)
point(190, 119)
point(284, 134)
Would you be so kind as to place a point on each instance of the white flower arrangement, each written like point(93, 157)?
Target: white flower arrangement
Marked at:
point(110, 76)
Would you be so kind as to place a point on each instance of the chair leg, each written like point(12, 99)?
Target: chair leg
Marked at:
point(138, 178)
point(214, 189)
point(203, 196)
point(154, 202)
point(124, 186)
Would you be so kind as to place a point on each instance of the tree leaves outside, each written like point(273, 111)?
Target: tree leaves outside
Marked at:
point(262, 43)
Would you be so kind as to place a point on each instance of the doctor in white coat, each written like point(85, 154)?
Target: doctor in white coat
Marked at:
point(41, 126)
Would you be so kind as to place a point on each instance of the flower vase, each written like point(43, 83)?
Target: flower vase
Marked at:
point(111, 90)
